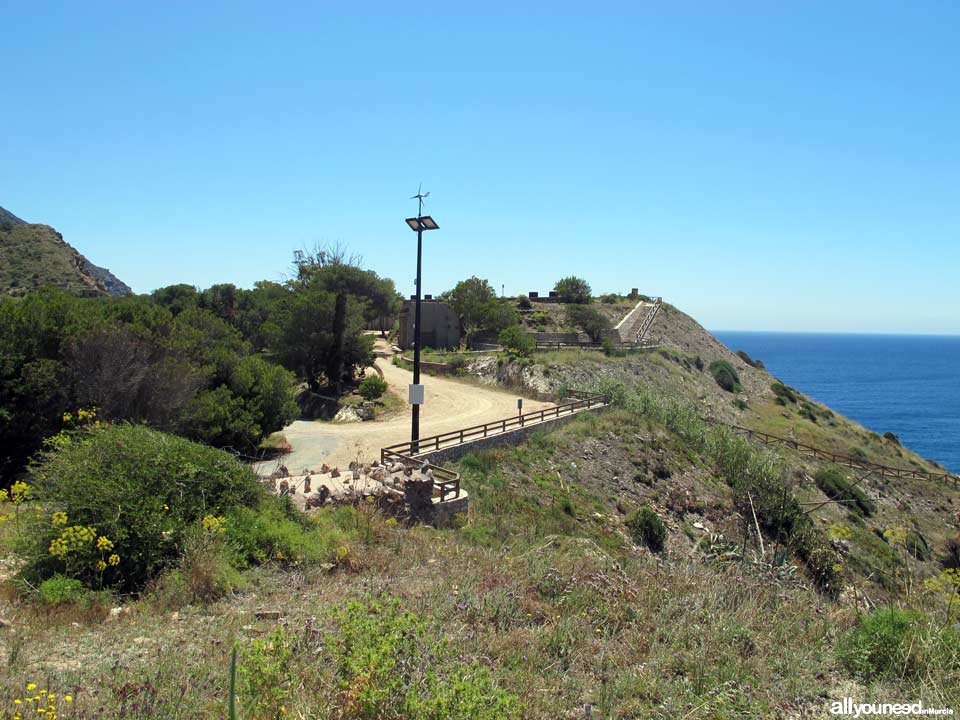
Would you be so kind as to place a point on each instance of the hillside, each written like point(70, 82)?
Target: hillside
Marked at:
point(645, 561)
point(32, 256)
point(677, 369)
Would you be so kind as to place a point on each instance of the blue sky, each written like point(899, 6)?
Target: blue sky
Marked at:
point(782, 166)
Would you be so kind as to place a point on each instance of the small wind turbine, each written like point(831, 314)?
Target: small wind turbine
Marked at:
point(420, 197)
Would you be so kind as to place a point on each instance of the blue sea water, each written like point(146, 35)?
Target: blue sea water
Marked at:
point(905, 384)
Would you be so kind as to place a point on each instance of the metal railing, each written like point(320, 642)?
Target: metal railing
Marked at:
point(846, 460)
point(497, 427)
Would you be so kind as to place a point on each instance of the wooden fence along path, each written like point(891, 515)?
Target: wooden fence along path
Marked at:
point(447, 481)
point(846, 460)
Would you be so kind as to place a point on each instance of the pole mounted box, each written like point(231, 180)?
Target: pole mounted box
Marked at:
point(416, 394)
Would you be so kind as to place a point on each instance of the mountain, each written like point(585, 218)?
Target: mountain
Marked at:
point(8, 217)
point(32, 256)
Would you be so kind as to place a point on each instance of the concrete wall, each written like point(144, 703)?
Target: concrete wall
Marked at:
point(440, 325)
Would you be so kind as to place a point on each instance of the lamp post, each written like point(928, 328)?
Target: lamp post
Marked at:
point(420, 223)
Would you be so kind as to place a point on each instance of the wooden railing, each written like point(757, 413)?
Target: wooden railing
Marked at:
point(497, 427)
point(445, 482)
point(846, 460)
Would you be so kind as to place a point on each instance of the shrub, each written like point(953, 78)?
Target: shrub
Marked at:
point(784, 393)
point(647, 528)
point(589, 320)
point(128, 493)
point(523, 302)
point(458, 364)
point(725, 375)
point(517, 342)
point(573, 290)
point(833, 482)
point(892, 643)
point(59, 589)
point(372, 388)
point(742, 354)
point(205, 573)
point(917, 545)
point(388, 665)
point(895, 439)
point(275, 530)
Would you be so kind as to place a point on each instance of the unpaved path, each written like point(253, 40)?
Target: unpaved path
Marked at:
point(449, 405)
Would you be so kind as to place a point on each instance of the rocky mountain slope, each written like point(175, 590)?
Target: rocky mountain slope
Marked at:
point(32, 256)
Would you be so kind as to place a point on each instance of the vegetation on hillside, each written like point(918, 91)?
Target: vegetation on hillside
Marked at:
point(219, 365)
point(35, 256)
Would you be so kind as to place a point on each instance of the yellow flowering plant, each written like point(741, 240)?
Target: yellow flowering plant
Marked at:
point(37, 703)
point(85, 554)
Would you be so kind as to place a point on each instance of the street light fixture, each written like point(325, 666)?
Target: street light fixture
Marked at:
point(418, 224)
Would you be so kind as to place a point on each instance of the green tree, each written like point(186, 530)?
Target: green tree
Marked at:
point(590, 320)
point(573, 290)
point(357, 294)
point(176, 297)
point(479, 309)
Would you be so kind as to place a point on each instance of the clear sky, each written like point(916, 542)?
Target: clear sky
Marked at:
point(762, 165)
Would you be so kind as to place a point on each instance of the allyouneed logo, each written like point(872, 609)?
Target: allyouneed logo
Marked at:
point(848, 707)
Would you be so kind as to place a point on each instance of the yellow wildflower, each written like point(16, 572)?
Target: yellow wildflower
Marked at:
point(4, 495)
point(68, 698)
point(20, 491)
point(58, 518)
point(101, 565)
point(31, 686)
point(104, 543)
point(114, 559)
point(214, 523)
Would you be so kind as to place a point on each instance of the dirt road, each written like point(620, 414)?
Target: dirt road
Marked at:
point(449, 405)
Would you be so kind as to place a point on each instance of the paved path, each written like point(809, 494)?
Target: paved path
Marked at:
point(449, 405)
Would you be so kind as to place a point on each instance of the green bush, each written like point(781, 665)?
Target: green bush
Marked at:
point(205, 572)
point(458, 364)
point(742, 354)
point(725, 375)
point(275, 530)
point(784, 393)
point(523, 302)
point(372, 387)
point(647, 528)
point(130, 492)
point(892, 643)
point(59, 589)
point(917, 545)
point(389, 660)
point(517, 342)
point(833, 482)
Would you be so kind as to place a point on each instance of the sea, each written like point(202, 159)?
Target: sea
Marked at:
point(905, 384)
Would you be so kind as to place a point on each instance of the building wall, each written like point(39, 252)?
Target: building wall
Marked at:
point(441, 326)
